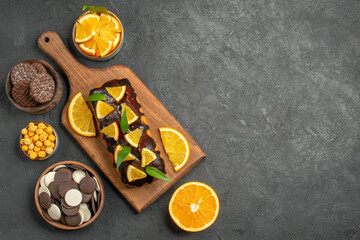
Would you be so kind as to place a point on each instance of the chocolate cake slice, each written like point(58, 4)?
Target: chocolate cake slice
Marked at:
point(130, 100)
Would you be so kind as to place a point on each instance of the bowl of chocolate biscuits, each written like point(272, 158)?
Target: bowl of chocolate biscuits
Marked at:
point(34, 86)
point(69, 195)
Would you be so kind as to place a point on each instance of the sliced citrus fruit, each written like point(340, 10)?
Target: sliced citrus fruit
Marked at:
point(147, 156)
point(88, 47)
point(194, 206)
point(134, 173)
point(103, 109)
point(93, 21)
point(133, 138)
point(176, 147)
point(130, 115)
point(103, 45)
point(114, 37)
point(105, 19)
point(116, 153)
point(113, 25)
point(111, 131)
point(83, 32)
point(80, 116)
point(116, 92)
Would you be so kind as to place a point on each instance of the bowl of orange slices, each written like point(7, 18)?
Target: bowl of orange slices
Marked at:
point(98, 34)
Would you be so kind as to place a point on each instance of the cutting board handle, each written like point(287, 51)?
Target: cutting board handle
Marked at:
point(51, 44)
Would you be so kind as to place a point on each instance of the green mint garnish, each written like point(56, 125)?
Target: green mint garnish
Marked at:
point(93, 9)
point(124, 123)
point(122, 155)
point(96, 97)
point(156, 173)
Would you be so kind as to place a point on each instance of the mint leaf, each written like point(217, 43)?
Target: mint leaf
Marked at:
point(87, 6)
point(101, 9)
point(124, 123)
point(122, 155)
point(156, 173)
point(96, 97)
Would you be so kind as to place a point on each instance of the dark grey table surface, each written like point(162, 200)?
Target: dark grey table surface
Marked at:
point(269, 89)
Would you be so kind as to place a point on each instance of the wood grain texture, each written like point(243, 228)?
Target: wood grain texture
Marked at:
point(83, 79)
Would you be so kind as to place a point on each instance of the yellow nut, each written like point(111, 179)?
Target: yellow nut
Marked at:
point(31, 146)
point(33, 155)
point(49, 130)
point(41, 125)
point(42, 137)
point(35, 137)
point(36, 149)
point(25, 141)
point(49, 150)
point(42, 148)
point(26, 136)
point(24, 131)
point(31, 134)
point(41, 154)
point(24, 148)
point(32, 128)
point(38, 143)
point(51, 138)
point(31, 124)
point(47, 143)
point(39, 131)
point(52, 145)
point(30, 151)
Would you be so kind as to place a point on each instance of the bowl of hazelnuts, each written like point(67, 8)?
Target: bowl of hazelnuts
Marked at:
point(38, 141)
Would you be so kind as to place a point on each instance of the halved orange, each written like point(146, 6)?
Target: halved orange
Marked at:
point(80, 116)
point(130, 115)
point(194, 206)
point(116, 153)
point(176, 147)
point(111, 131)
point(116, 92)
point(103, 109)
point(134, 173)
point(133, 138)
point(147, 156)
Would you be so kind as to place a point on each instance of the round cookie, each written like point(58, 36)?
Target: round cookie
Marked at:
point(44, 200)
point(73, 197)
point(70, 211)
point(73, 220)
point(39, 68)
point(63, 174)
point(42, 88)
point(22, 72)
point(53, 187)
point(66, 186)
point(21, 94)
point(87, 185)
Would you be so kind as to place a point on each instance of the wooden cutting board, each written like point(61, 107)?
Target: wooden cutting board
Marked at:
point(83, 79)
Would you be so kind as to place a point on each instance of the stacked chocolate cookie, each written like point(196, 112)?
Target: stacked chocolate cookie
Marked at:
point(69, 194)
point(31, 84)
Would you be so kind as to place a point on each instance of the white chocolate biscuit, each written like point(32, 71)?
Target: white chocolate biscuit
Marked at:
point(78, 175)
point(73, 197)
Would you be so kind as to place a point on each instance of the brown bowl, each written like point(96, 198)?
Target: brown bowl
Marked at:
point(42, 108)
point(59, 225)
point(97, 58)
point(56, 143)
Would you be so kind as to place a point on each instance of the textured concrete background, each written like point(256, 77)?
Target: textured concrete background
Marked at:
point(269, 89)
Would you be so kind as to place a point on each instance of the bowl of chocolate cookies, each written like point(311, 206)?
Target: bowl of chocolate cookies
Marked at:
point(34, 86)
point(69, 195)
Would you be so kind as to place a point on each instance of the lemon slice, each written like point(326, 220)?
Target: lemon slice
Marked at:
point(176, 146)
point(111, 131)
point(133, 138)
point(147, 156)
point(130, 115)
point(103, 109)
point(134, 173)
point(80, 116)
point(116, 153)
point(116, 92)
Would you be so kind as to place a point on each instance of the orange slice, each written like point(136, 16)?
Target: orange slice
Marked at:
point(134, 173)
point(105, 19)
point(111, 131)
point(93, 21)
point(116, 153)
point(133, 138)
point(194, 206)
point(103, 109)
point(88, 47)
point(147, 156)
point(104, 46)
point(116, 92)
point(130, 115)
point(83, 32)
point(80, 116)
point(176, 146)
